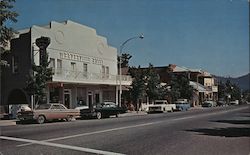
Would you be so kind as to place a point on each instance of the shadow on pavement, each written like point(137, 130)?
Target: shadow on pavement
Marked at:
point(224, 132)
point(243, 122)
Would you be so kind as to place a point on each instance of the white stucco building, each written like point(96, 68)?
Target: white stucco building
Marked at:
point(84, 65)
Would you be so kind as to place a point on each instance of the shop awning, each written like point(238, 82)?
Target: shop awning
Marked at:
point(198, 86)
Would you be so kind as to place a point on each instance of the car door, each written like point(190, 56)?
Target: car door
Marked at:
point(64, 112)
point(56, 112)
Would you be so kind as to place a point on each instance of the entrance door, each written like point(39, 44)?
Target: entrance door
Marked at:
point(90, 100)
point(67, 98)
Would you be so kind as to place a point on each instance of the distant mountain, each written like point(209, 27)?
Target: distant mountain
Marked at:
point(243, 81)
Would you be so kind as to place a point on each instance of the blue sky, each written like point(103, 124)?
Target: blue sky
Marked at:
point(212, 35)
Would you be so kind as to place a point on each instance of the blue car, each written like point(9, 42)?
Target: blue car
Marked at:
point(182, 106)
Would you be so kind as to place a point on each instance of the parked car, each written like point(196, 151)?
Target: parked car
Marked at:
point(161, 106)
point(235, 102)
point(221, 103)
point(45, 112)
point(208, 104)
point(102, 110)
point(182, 105)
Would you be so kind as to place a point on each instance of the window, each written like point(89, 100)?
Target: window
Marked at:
point(73, 66)
point(14, 64)
point(52, 64)
point(59, 66)
point(103, 71)
point(107, 72)
point(85, 70)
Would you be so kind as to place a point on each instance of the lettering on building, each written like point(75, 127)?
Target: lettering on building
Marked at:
point(80, 58)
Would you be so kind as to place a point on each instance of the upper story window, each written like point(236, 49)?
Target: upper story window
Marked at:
point(14, 64)
point(73, 66)
point(85, 69)
point(52, 64)
point(59, 66)
point(105, 72)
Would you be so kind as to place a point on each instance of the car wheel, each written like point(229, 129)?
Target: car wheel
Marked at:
point(41, 119)
point(98, 115)
point(70, 118)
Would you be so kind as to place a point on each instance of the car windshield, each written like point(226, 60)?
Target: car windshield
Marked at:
point(160, 102)
point(181, 103)
point(43, 106)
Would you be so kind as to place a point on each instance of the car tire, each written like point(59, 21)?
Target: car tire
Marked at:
point(98, 115)
point(69, 118)
point(41, 119)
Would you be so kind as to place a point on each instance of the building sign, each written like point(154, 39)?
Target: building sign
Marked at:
point(80, 58)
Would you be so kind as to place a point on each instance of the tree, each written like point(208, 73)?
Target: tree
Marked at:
point(221, 90)
point(180, 87)
point(231, 91)
point(137, 89)
point(124, 59)
point(41, 74)
point(154, 89)
point(7, 33)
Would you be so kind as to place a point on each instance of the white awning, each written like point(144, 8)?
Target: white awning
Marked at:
point(196, 85)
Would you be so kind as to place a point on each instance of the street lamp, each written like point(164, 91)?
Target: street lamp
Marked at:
point(120, 67)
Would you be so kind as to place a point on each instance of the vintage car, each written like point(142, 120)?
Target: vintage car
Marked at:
point(161, 106)
point(45, 112)
point(208, 104)
point(102, 110)
point(182, 105)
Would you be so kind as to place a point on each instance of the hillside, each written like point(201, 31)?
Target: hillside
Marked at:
point(242, 81)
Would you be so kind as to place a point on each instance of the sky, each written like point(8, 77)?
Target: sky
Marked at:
point(212, 35)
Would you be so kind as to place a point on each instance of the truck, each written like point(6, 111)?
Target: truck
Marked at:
point(161, 106)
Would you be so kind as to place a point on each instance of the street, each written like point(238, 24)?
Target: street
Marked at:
point(218, 130)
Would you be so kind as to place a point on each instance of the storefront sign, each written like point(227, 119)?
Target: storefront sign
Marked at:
point(80, 58)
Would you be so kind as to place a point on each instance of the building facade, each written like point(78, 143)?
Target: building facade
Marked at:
point(84, 66)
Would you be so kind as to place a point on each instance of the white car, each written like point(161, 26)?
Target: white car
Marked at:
point(161, 106)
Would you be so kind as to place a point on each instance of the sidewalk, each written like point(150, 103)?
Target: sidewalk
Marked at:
point(7, 122)
point(133, 113)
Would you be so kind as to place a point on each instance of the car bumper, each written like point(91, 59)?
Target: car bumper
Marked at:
point(25, 118)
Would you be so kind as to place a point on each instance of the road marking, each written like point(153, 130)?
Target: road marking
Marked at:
point(135, 126)
point(95, 132)
point(76, 148)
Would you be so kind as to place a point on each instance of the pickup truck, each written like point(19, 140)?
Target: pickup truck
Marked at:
point(161, 106)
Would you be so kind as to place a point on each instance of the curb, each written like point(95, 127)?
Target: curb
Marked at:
point(132, 114)
point(7, 123)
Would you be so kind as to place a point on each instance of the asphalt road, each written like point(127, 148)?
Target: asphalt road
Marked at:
point(220, 130)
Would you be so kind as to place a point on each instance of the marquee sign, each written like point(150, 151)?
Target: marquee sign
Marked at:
point(80, 58)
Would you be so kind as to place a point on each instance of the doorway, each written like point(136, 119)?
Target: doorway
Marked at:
point(67, 97)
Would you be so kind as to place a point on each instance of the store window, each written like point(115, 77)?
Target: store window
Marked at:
point(81, 97)
point(54, 95)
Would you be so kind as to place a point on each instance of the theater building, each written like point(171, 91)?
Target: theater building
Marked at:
point(84, 66)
